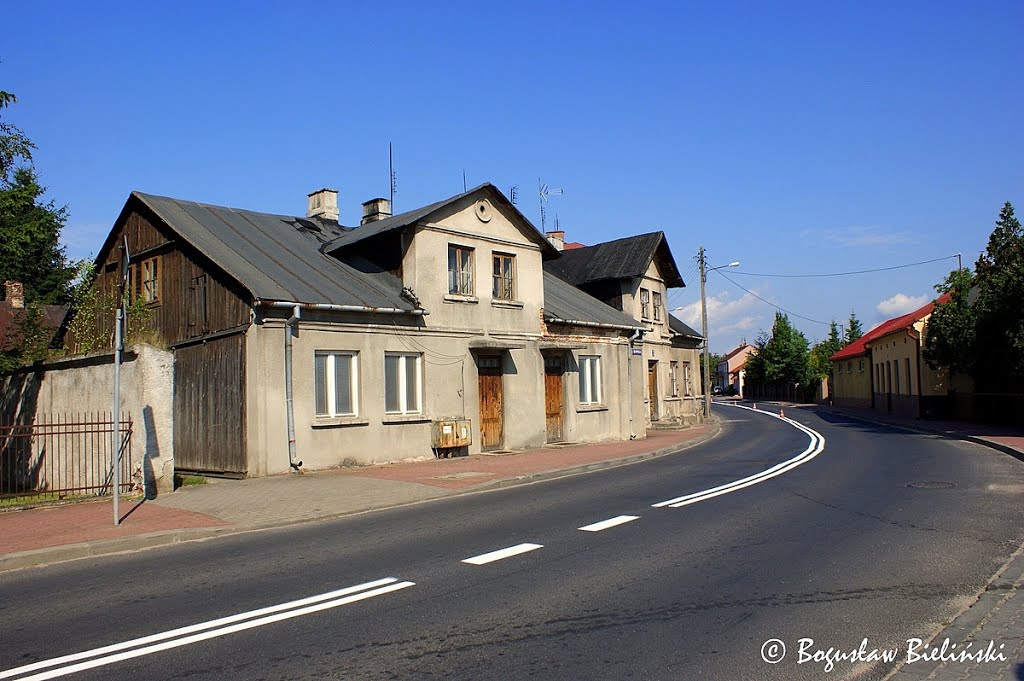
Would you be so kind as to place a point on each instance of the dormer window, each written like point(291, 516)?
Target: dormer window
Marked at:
point(645, 304)
point(460, 270)
point(657, 306)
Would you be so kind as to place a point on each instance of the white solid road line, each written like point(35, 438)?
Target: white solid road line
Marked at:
point(502, 553)
point(817, 444)
point(211, 629)
point(611, 522)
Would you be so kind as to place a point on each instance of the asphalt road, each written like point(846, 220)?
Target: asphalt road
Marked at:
point(839, 549)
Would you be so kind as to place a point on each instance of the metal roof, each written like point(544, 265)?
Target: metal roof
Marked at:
point(276, 257)
point(358, 234)
point(619, 259)
point(678, 327)
point(564, 301)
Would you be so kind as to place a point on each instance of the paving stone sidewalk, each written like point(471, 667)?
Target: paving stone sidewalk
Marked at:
point(51, 534)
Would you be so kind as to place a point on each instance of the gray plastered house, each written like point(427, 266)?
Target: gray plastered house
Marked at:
point(457, 310)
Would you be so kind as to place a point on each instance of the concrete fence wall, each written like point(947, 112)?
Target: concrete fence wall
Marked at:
point(86, 384)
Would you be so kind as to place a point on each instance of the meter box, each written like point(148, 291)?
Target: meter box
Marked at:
point(449, 433)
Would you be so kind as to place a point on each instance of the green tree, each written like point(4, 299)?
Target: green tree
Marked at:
point(780, 358)
point(1000, 315)
point(854, 329)
point(15, 147)
point(820, 365)
point(950, 340)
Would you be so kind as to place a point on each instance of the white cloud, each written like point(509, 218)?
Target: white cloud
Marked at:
point(728, 317)
point(901, 304)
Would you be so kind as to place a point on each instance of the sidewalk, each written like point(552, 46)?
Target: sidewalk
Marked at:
point(57, 533)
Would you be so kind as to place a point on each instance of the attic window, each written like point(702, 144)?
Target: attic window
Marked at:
point(145, 280)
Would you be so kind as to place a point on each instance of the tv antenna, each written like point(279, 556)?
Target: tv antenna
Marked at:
point(545, 192)
point(513, 194)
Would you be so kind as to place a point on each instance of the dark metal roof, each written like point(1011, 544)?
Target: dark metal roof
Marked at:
point(619, 259)
point(564, 301)
point(50, 318)
point(395, 222)
point(276, 257)
point(678, 327)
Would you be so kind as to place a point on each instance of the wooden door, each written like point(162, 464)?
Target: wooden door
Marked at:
point(652, 389)
point(209, 406)
point(553, 397)
point(491, 423)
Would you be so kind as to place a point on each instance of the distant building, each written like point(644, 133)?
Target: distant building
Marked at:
point(731, 369)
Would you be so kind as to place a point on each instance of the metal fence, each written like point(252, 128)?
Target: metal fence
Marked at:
point(58, 456)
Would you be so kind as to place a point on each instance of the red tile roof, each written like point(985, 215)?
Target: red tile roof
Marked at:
point(860, 346)
point(52, 317)
point(573, 245)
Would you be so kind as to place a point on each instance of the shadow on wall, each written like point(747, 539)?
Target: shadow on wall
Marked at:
point(18, 402)
point(151, 452)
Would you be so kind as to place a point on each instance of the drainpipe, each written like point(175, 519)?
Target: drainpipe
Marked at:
point(289, 328)
point(629, 377)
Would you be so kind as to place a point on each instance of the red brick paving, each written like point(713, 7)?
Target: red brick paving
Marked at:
point(40, 528)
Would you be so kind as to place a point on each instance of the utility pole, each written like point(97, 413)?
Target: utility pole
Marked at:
point(702, 261)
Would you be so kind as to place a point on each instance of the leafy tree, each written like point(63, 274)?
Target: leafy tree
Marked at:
point(1000, 315)
point(950, 340)
point(14, 145)
point(854, 329)
point(820, 365)
point(779, 358)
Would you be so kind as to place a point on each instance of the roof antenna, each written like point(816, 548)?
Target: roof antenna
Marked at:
point(392, 176)
point(513, 194)
point(545, 191)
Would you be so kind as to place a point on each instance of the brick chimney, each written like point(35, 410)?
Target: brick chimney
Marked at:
point(14, 292)
point(557, 238)
point(375, 209)
point(323, 203)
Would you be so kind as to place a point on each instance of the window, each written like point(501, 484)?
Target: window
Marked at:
point(839, 368)
point(590, 379)
point(687, 379)
point(673, 381)
point(403, 383)
point(460, 270)
point(657, 306)
point(849, 367)
point(146, 280)
point(198, 313)
point(504, 277)
point(337, 383)
point(645, 303)
point(860, 367)
point(909, 391)
point(896, 376)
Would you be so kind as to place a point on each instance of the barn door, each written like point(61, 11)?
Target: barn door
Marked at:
point(553, 397)
point(652, 389)
point(209, 406)
point(491, 425)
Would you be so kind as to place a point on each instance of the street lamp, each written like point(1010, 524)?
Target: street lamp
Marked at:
point(702, 261)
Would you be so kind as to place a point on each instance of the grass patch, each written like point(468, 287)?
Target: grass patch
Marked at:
point(45, 498)
point(183, 480)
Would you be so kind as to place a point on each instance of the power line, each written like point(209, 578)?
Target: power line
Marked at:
point(769, 302)
point(846, 274)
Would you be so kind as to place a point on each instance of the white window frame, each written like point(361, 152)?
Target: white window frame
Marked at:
point(673, 378)
point(404, 391)
point(590, 379)
point(463, 275)
point(656, 297)
point(330, 383)
point(687, 379)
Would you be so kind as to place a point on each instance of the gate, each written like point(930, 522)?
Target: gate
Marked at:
point(209, 406)
point(58, 456)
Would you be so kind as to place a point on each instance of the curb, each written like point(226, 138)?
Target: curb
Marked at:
point(138, 542)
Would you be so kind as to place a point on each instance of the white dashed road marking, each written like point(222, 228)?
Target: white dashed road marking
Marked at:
point(502, 553)
point(611, 522)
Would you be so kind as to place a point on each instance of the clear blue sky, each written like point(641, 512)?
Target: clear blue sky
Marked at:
point(794, 137)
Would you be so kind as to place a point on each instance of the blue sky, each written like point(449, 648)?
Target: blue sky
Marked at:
point(793, 137)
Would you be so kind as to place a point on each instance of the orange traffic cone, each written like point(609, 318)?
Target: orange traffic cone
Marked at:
point(782, 412)
point(755, 405)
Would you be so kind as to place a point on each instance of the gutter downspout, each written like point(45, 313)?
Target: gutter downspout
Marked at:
point(289, 328)
point(629, 377)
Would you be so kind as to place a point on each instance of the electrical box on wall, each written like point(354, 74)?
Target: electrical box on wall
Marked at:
point(449, 433)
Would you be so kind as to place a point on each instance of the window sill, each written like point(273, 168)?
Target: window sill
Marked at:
point(583, 408)
point(514, 304)
point(672, 398)
point(339, 422)
point(405, 418)
point(457, 298)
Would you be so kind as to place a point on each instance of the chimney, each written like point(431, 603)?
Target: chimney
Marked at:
point(14, 292)
point(375, 209)
point(323, 203)
point(557, 239)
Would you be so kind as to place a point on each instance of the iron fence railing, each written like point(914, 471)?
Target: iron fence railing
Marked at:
point(58, 456)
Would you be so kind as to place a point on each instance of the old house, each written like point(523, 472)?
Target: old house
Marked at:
point(731, 368)
point(300, 341)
